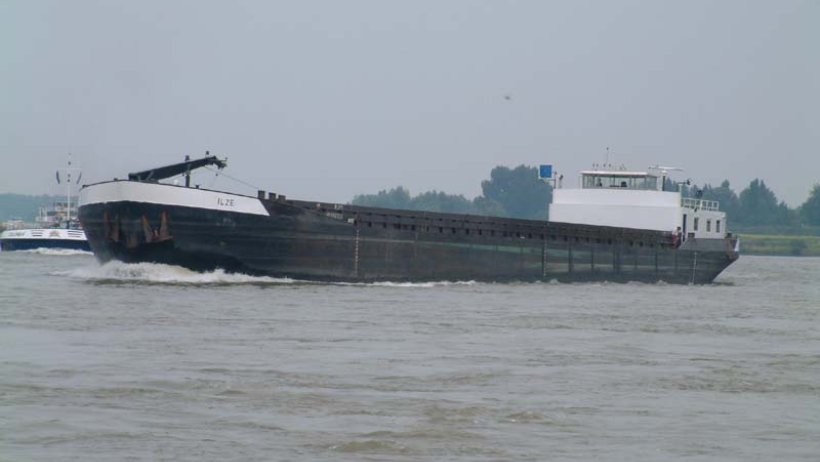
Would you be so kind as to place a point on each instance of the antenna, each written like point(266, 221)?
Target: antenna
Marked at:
point(69, 171)
point(187, 173)
point(666, 169)
point(68, 193)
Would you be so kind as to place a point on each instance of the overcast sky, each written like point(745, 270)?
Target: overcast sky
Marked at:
point(326, 99)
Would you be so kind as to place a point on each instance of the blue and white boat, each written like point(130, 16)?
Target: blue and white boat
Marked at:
point(44, 238)
point(57, 226)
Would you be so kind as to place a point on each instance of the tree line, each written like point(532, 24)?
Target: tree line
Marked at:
point(757, 205)
point(518, 193)
point(23, 207)
point(510, 192)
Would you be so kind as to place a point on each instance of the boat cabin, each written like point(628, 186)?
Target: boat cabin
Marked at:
point(636, 200)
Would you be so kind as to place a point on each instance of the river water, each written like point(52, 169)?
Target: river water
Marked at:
point(149, 362)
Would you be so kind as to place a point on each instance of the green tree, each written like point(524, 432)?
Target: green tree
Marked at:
point(758, 205)
point(437, 201)
point(787, 216)
point(724, 194)
point(810, 210)
point(489, 207)
point(683, 188)
point(396, 198)
point(431, 201)
point(24, 207)
point(518, 191)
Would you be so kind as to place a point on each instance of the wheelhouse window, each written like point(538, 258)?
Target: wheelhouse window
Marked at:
point(606, 180)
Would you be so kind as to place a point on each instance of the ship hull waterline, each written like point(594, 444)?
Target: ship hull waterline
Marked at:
point(341, 243)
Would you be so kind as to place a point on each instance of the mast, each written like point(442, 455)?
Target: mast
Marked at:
point(68, 172)
point(188, 173)
point(68, 192)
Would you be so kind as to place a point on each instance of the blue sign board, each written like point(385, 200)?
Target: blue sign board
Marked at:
point(545, 172)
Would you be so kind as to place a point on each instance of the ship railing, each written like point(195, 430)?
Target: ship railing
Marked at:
point(700, 204)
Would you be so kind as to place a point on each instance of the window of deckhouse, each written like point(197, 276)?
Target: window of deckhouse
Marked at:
point(639, 182)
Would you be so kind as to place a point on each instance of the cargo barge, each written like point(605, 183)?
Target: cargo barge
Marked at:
point(618, 226)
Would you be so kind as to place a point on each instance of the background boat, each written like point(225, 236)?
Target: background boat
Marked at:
point(57, 225)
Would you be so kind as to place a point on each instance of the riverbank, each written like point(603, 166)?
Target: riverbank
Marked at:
point(779, 245)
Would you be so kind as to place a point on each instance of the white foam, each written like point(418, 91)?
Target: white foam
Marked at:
point(423, 285)
point(164, 274)
point(156, 273)
point(57, 252)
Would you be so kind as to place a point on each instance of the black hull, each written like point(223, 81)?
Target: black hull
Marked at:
point(8, 245)
point(327, 242)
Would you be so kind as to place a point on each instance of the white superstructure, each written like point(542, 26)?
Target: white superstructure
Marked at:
point(636, 200)
point(58, 214)
point(44, 234)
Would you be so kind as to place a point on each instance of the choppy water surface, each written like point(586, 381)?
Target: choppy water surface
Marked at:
point(147, 362)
